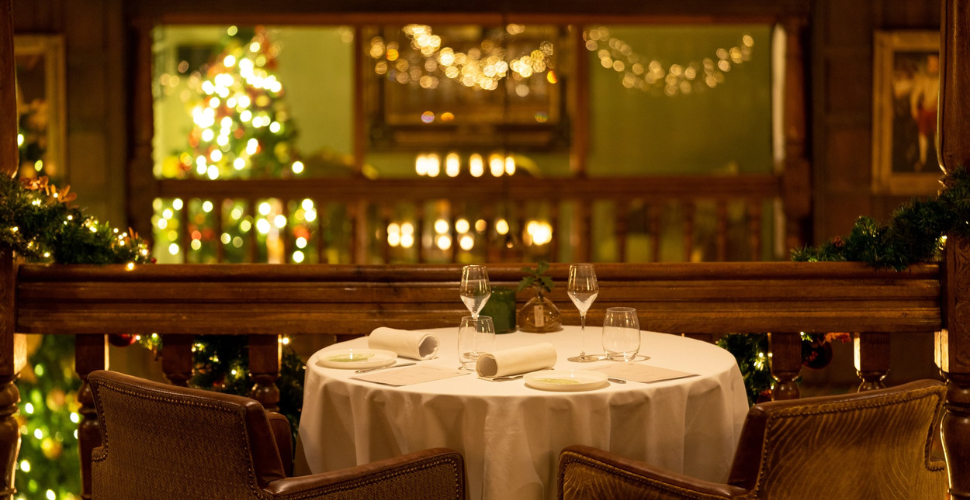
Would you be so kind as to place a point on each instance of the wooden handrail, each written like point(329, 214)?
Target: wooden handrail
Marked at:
point(759, 187)
point(353, 300)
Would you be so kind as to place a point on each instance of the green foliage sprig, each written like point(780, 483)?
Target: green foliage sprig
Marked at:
point(913, 234)
point(38, 223)
point(536, 278)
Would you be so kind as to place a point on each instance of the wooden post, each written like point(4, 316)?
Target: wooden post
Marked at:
point(142, 186)
point(13, 352)
point(953, 343)
point(871, 359)
point(13, 356)
point(785, 352)
point(177, 359)
point(90, 354)
point(796, 178)
point(265, 352)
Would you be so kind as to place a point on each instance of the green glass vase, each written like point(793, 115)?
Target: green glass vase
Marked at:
point(501, 307)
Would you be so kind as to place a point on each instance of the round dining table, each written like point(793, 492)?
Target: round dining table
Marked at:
point(510, 434)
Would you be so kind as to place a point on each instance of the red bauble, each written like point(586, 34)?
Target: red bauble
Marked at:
point(121, 339)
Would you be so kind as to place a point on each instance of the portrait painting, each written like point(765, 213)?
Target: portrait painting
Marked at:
point(906, 88)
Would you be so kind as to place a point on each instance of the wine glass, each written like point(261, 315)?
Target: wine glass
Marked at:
point(474, 289)
point(621, 333)
point(583, 289)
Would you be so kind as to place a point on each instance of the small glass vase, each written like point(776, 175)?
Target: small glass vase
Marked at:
point(539, 315)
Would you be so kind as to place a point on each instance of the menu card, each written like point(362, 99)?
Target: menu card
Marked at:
point(636, 372)
point(411, 375)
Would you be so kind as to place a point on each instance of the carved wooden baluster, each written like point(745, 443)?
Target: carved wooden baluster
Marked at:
point(186, 238)
point(688, 230)
point(220, 245)
point(622, 217)
point(953, 344)
point(286, 233)
point(722, 230)
point(252, 242)
point(264, 368)
point(871, 359)
point(785, 352)
point(385, 243)
point(90, 354)
point(13, 356)
point(321, 232)
point(655, 231)
point(754, 228)
point(453, 208)
point(419, 229)
point(584, 216)
point(177, 358)
point(355, 219)
point(553, 250)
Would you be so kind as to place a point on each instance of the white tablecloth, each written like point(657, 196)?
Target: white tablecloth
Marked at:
point(511, 435)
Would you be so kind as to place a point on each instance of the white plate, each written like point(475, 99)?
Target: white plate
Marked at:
point(356, 359)
point(566, 380)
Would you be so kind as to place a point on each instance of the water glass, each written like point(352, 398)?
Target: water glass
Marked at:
point(476, 336)
point(621, 333)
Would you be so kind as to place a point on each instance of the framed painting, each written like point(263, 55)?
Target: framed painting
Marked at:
point(41, 137)
point(906, 88)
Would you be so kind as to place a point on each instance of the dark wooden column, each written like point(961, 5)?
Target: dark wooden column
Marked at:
point(785, 352)
point(953, 343)
point(264, 368)
point(90, 354)
point(12, 348)
point(796, 178)
point(13, 356)
point(142, 187)
point(871, 359)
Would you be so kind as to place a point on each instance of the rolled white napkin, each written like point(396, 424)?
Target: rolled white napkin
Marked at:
point(517, 360)
point(407, 343)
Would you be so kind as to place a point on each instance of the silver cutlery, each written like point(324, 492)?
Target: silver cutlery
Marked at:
point(616, 380)
point(503, 378)
point(365, 370)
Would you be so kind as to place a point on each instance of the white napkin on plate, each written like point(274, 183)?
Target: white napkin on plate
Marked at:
point(406, 343)
point(517, 360)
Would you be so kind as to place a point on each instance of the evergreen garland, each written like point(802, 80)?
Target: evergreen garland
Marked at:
point(915, 233)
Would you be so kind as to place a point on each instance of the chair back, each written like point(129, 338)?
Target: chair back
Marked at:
point(871, 445)
point(163, 442)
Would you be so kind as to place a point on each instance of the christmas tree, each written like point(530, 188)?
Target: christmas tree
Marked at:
point(241, 127)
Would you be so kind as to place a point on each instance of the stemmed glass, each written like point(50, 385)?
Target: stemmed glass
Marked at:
point(474, 289)
point(583, 289)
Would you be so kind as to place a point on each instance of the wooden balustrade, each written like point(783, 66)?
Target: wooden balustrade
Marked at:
point(490, 199)
point(698, 300)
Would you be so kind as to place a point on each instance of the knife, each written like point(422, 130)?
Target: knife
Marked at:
point(383, 367)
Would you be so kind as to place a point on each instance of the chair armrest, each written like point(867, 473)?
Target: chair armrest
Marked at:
point(435, 474)
point(590, 473)
point(284, 439)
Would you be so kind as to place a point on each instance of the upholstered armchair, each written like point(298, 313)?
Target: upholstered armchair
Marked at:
point(868, 446)
point(166, 442)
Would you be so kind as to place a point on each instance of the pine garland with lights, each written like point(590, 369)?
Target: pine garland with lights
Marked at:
point(39, 225)
point(915, 233)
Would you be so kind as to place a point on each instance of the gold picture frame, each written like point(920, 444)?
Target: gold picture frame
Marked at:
point(41, 110)
point(905, 98)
